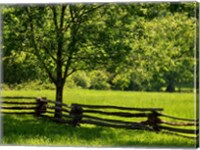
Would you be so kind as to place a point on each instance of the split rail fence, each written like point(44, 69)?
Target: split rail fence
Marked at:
point(151, 119)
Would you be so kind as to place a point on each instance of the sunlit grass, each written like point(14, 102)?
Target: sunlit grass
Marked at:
point(180, 104)
point(27, 130)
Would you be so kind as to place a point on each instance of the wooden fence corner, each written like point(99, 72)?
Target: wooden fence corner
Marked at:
point(41, 106)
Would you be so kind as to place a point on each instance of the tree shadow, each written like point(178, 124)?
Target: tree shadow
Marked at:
point(28, 127)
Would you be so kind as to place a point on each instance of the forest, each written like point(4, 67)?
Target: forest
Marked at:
point(111, 46)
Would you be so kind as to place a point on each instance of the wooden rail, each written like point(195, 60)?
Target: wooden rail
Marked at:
point(18, 97)
point(177, 118)
point(18, 107)
point(118, 107)
point(19, 103)
point(121, 114)
point(150, 119)
point(178, 129)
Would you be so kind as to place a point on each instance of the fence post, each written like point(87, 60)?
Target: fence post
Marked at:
point(41, 104)
point(76, 114)
point(153, 121)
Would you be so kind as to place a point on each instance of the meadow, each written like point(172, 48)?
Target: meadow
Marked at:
point(27, 130)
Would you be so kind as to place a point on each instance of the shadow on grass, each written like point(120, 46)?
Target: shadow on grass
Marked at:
point(15, 127)
point(27, 130)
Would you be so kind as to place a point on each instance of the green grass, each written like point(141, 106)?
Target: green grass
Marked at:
point(27, 130)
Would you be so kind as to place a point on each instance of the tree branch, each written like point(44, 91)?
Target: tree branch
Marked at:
point(47, 50)
point(62, 16)
point(74, 30)
point(72, 71)
point(67, 67)
point(89, 10)
point(71, 13)
point(92, 9)
point(55, 17)
point(36, 47)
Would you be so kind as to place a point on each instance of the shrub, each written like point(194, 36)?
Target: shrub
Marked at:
point(32, 85)
point(99, 80)
point(120, 82)
point(70, 83)
point(81, 79)
point(5, 87)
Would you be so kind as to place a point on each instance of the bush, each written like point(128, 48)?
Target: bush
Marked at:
point(99, 80)
point(5, 87)
point(81, 79)
point(32, 85)
point(70, 83)
point(120, 82)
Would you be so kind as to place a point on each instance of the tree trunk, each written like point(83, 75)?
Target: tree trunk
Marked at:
point(59, 98)
point(170, 87)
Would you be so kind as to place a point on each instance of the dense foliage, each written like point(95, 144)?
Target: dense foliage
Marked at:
point(134, 46)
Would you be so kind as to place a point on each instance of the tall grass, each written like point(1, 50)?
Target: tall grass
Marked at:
point(180, 104)
point(27, 130)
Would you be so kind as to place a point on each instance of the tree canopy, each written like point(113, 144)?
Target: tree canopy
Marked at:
point(133, 46)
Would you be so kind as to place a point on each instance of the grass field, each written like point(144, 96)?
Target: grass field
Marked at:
point(27, 130)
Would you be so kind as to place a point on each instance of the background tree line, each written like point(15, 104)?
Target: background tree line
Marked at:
point(134, 46)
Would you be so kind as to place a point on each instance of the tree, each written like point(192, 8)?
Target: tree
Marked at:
point(65, 39)
point(18, 65)
point(175, 49)
point(162, 51)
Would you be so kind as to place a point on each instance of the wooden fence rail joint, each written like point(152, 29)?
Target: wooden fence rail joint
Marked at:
point(76, 113)
point(153, 121)
point(41, 106)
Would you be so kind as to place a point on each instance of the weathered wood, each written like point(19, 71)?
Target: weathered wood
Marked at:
point(56, 119)
point(76, 112)
point(153, 121)
point(118, 107)
point(18, 107)
point(41, 106)
point(18, 97)
point(19, 103)
point(177, 134)
point(54, 102)
point(133, 126)
point(50, 112)
point(18, 113)
point(120, 114)
point(63, 115)
point(178, 129)
point(108, 120)
point(58, 108)
point(184, 119)
point(178, 123)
